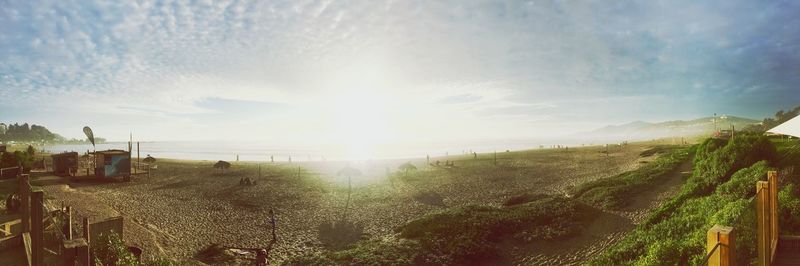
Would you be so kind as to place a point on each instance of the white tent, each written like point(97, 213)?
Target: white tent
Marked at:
point(791, 127)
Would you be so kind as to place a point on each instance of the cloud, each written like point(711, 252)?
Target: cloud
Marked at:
point(462, 59)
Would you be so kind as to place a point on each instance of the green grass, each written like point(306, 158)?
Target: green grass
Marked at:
point(464, 235)
point(716, 193)
point(616, 192)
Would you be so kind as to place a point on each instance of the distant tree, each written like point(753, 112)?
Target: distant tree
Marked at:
point(780, 117)
point(222, 165)
point(407, 167)
point(25, 132)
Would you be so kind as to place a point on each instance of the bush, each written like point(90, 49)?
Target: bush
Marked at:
point(718, 192)
point(108, 249)
point(741, 184)
point(789, 206)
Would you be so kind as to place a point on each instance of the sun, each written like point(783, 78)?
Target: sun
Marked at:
point(361, 122)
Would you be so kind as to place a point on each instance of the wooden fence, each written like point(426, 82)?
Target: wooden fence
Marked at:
point(767, 216)
point(720, 245)
point(27, 230)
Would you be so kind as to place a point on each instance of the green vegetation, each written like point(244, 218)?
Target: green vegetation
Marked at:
point(464, 235)
point(616, 192)
point(25, 159)
point(35, 133)
point(25, 132)
point(789, 195)
point(716, 193)
point(109, 249)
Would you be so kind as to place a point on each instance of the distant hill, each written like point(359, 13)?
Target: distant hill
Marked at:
point(640, 130)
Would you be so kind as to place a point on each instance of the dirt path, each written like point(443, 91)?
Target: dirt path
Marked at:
point(606, 230)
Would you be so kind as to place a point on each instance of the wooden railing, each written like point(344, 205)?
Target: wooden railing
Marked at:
point(767, 216)
point(720, 245)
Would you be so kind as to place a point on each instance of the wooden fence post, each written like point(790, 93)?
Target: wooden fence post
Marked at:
point(68, 221)
point(86, 230)
point(24, 189)
point(772, 178)
point(726, 252)
point(763, 221)
point(37, 227)
point(26, 245)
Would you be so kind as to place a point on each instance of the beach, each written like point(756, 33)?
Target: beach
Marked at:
point(186, 205)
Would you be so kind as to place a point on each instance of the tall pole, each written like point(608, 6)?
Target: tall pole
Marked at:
point(137, 157)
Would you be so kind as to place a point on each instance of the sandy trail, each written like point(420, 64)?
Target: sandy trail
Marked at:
point(606, 230)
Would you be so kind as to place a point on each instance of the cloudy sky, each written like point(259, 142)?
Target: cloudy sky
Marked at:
point(390, 71)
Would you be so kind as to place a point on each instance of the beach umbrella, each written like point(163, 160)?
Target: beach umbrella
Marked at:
point(222, 165)
point(791, 128)
point(149, 159)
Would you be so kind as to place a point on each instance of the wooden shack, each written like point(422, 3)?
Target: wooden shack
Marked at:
point(113, 163)
point(65, 164)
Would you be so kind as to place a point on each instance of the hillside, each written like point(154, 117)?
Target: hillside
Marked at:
point(640, 130)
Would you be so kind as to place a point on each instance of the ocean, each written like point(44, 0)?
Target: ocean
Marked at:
point(260, 151)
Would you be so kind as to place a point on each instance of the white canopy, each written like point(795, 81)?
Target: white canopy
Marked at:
point(791, 127)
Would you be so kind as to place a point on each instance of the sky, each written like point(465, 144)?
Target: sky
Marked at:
point(372, 72)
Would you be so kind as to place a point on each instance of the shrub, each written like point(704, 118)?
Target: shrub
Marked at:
point(718, 192)
point(741, 184)
point(109, 249)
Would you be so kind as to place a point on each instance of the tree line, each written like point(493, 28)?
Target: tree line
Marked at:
point(779, 118)
point(35, 133)
point(25, 132)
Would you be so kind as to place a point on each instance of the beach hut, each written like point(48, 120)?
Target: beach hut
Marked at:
point(65, 164)
point(112, 163)
point(790, 128)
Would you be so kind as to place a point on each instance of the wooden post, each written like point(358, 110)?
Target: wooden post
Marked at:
point(762, 230)
point(37, 227)
point(772, 179)
point(26, 244)
point(86, 230)
point(75, 252)
point(138, 164)
point(725, 255)
point(24, 189)
point(68, 220)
